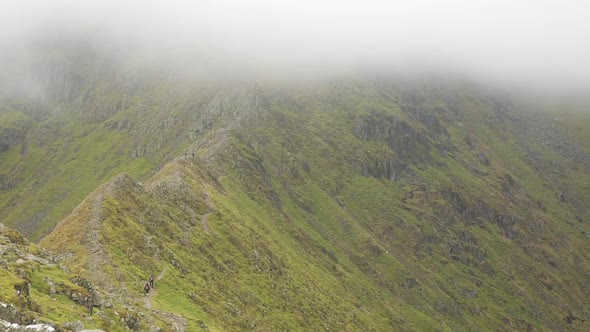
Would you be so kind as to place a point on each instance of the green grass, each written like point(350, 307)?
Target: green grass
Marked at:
point(299, 238)
point(40, 304)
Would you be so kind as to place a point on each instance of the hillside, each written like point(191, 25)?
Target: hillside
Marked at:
point(350, 205)
point(37, 293)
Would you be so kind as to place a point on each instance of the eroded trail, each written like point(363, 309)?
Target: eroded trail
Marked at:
point(204, 224)
point(161, 275)
point(97, 253)
point(176, 322)
point(153, 292)
point(146, 299)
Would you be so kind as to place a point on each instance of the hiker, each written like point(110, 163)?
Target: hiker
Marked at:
point(152, 281)
point(146, 288)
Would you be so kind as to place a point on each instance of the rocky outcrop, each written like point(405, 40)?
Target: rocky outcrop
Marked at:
point(236, 104)
point(383, 167)
point(88, 299)
point(428, 118)
point(131, 320)
point(479, 213)
point(11, 314)
point(405, 140)
point(10, 137)
point(14, 327)
point(407, 144)
point(76, 326)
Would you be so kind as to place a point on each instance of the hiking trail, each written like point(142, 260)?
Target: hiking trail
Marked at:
point(176, 322)
point(97, 254)
point(204, 224)
point(153, 291)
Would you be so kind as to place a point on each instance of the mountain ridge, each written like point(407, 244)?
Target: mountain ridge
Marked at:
point(350, 205)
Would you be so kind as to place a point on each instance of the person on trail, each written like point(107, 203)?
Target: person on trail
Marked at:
point(152, 281)
point(146, 288)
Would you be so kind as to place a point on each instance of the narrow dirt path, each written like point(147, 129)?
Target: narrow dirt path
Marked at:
point(153, 292)
point(210, 209)
point(146, 299)
point(176, 322)
point(203, 218)
point(204, 224)
point(193, 222)
point(97, 256)
point(161, 275)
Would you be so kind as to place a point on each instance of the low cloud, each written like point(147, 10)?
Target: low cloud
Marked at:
point(536, 44)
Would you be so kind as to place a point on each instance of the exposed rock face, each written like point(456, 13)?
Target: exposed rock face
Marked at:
point(131, 321)
point(411, 136)
point(10, 137)
point(403, 138)
point(11, 314)
point(14, 327)
point(52, 289)
point(388, 167)
point(477, 212)
point(406, 143)
point(84, 299)
point(239, 102)
point(76, 326)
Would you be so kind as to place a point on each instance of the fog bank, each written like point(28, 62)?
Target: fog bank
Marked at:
point(542, 45)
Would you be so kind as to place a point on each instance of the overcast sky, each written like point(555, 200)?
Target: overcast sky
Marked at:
point(541, 43)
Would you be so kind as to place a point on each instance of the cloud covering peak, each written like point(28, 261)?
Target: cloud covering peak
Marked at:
point(537, 43)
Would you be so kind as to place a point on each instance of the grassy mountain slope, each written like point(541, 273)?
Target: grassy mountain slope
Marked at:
point(34, 289)
point(349, 206)
point(354, 205)
point(59, 147)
